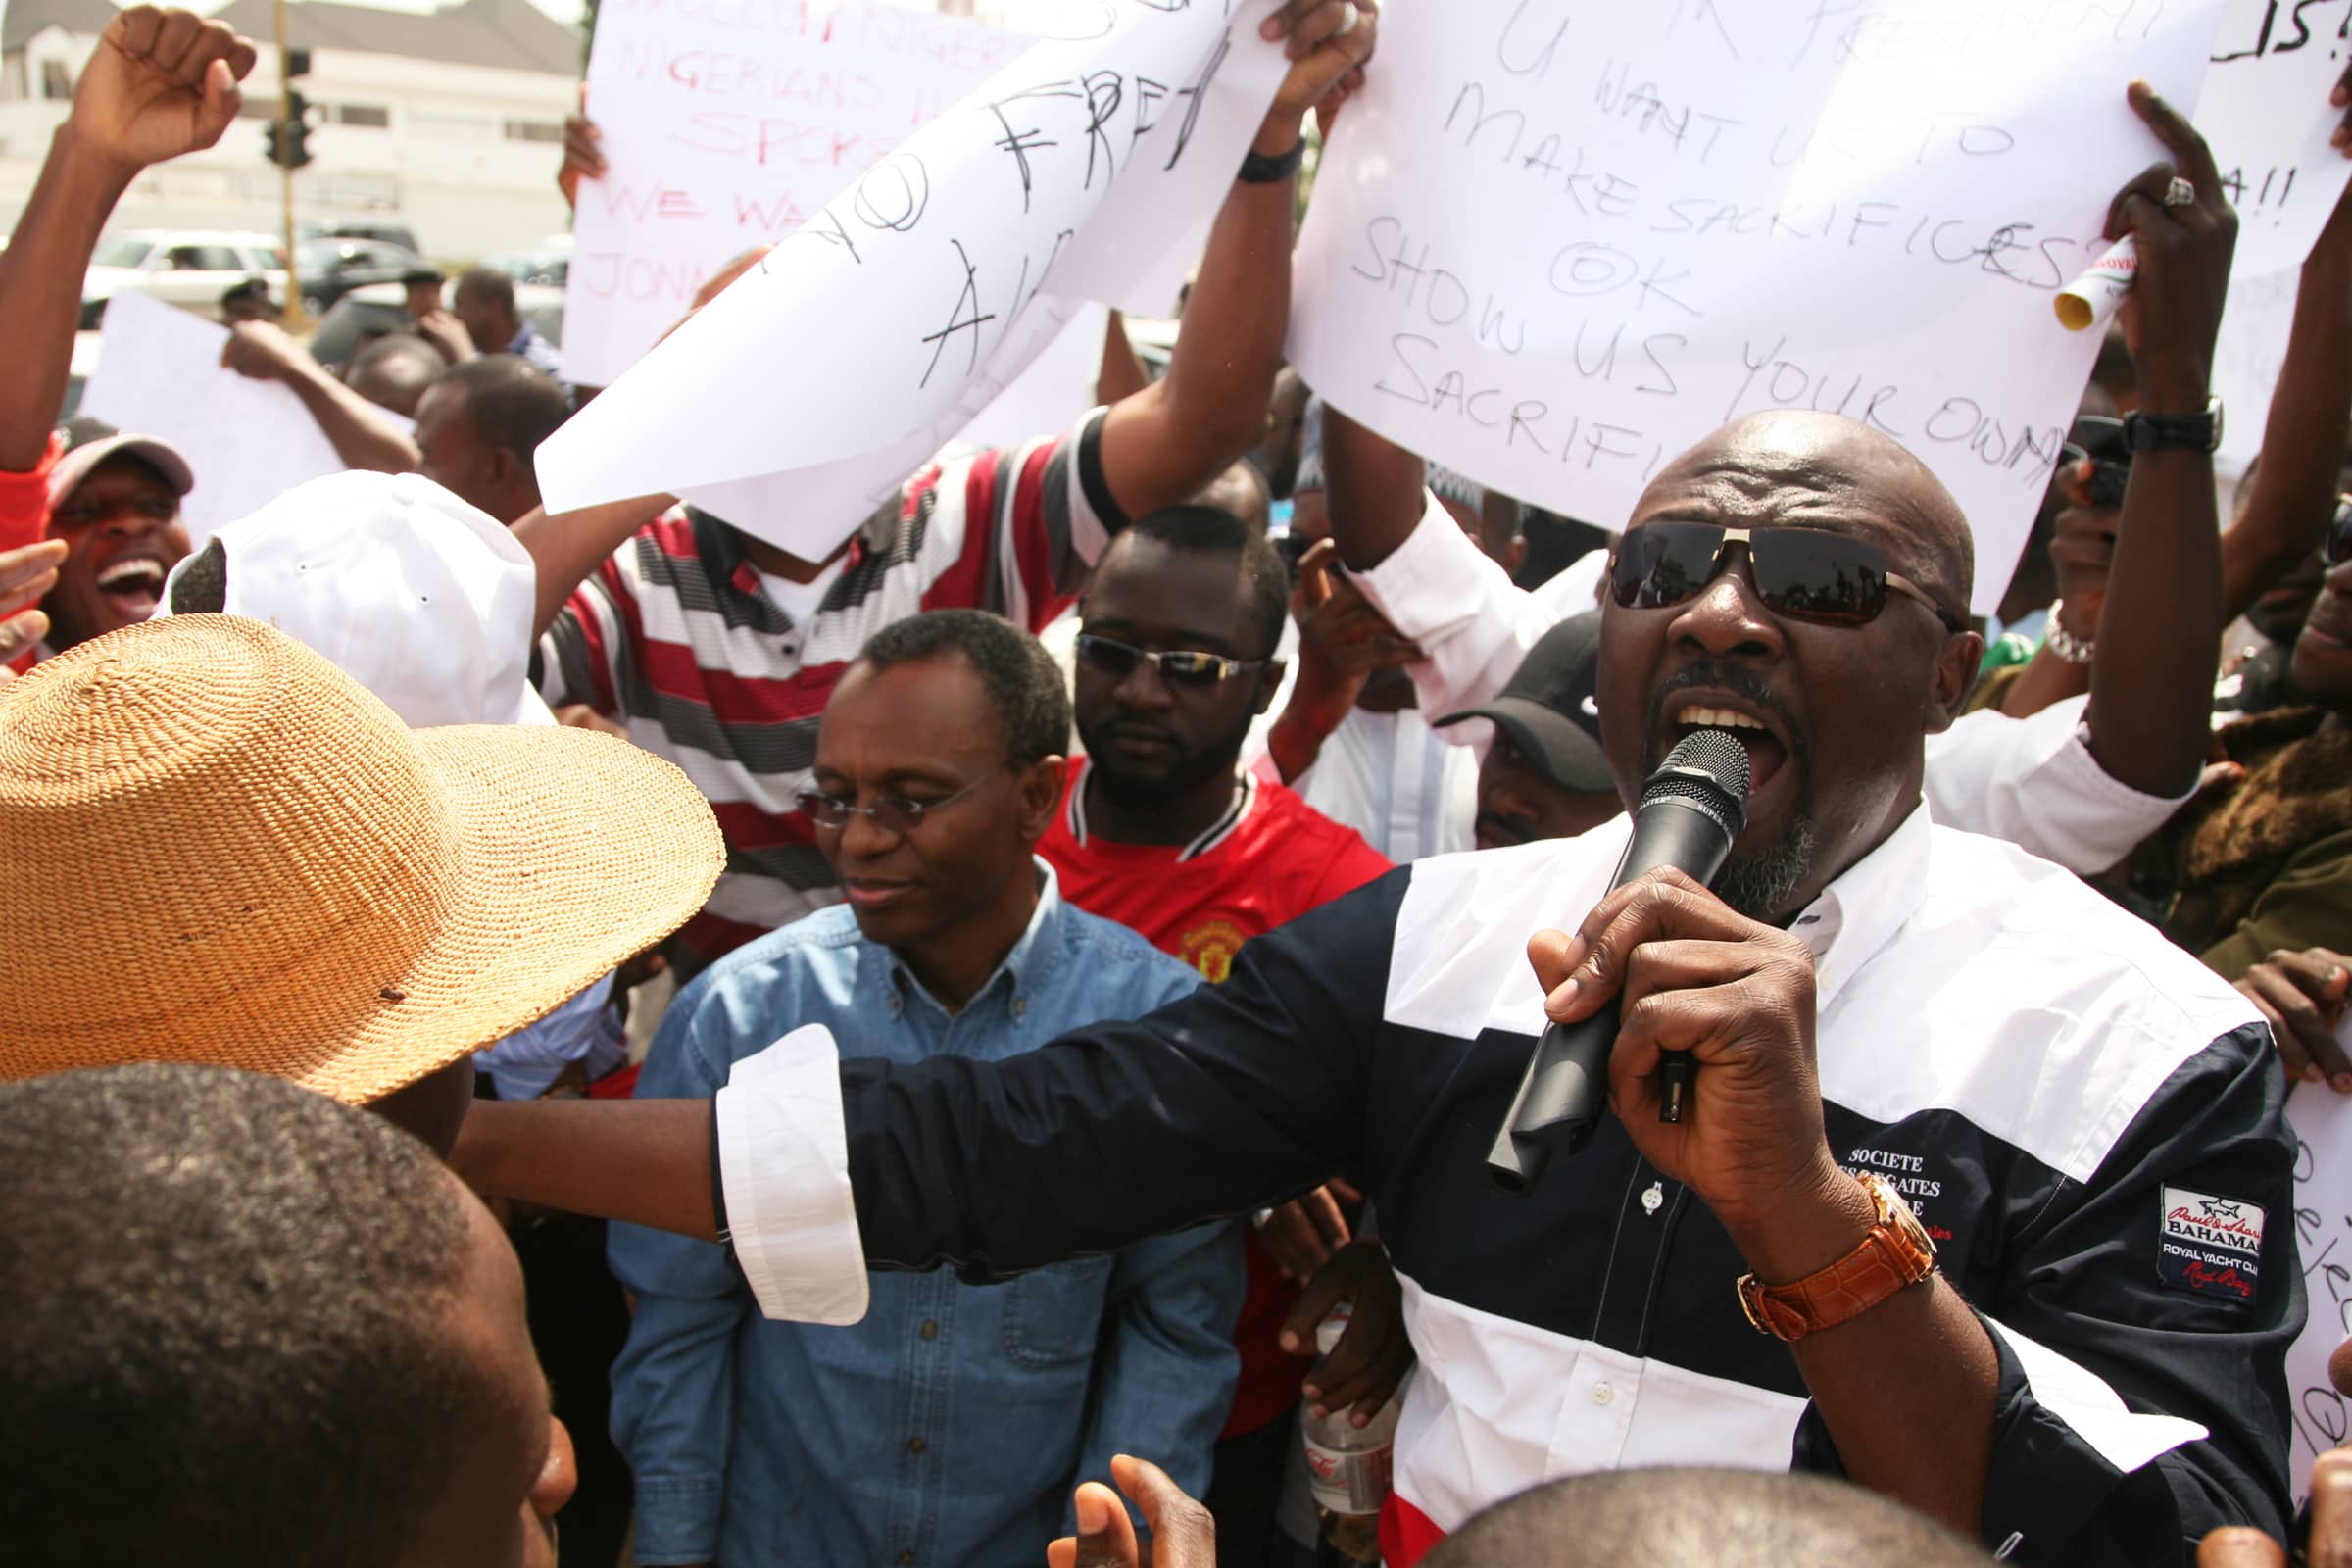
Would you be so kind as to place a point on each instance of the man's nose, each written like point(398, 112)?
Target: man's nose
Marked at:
point(1729, 619)
point(862, 838)
point(1143, 687)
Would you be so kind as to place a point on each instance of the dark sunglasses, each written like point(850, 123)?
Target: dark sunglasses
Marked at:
point(1183, 666)
point(895, 813)
point(153, 508)
point(1804, 573)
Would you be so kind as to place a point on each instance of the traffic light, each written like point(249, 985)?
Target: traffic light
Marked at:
point(287, 142)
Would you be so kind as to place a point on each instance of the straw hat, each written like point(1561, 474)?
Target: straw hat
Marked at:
point(217, 848)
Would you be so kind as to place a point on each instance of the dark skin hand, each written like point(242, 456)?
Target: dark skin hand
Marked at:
point(2301, 996)
point(1373, 1355)
point(1183, 1535)
point(27, 574)
point(1343, 640)
point(2163, 611)
point(1302, 1235)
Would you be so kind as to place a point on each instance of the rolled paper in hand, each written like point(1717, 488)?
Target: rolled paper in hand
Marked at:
point(2092, 299)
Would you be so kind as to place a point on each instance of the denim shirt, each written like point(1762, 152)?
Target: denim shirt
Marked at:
point(949, 1427)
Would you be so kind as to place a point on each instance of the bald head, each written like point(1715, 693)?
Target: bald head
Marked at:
point(1702, 1519)
point(1796, 463)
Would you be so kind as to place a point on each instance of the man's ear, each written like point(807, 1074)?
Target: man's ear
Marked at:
point(1041, 786)
point(1956, 666)
point(1269, 681)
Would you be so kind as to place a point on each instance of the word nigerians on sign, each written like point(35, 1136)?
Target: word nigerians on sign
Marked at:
point(725, 124)
point(803, 395)
point(1553, 245)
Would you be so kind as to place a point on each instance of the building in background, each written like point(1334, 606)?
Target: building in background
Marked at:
point(449, 122)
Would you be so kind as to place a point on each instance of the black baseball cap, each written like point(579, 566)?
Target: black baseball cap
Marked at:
point(1548, 707)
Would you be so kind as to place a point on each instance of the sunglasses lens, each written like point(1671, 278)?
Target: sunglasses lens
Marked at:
point(898, 814)
point(1816, 576)
point(1184, 668)
point(1110, 657)
point(822, 807)
point(1664, 563)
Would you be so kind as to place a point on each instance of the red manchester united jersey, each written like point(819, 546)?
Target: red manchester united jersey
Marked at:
point(1269, 859)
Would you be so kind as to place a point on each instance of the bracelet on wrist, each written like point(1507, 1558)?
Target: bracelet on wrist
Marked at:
point(1259, 170)
point(2064, 645)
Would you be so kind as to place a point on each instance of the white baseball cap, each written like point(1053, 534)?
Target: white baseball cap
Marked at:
point(418, 597)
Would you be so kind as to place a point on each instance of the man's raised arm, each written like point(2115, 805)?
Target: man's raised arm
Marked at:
point(159, 84)
point(1162, 444)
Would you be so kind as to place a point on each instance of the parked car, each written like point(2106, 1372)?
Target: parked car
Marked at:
point(188, 267)
point(399, 235)
point(549, 261)
point(376, 309)
point(332, 268)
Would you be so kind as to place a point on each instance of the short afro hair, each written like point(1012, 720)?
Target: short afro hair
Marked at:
point(1023, 683)
point(1193, 529)
point(1702, 1519)
point(511, 403)
point(486, 283)
point(226, 1336)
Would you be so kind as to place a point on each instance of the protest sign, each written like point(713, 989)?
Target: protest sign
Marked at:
point(1552, 246)
point(1048, 396)
point(2323, 1418)
point(159, 373)
point(2267, 115)
point(724, 125)
point(902, 308)
point(2247, 359)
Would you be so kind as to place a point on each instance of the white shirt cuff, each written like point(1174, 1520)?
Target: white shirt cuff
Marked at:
point(784, 1162)
point(1435, 579)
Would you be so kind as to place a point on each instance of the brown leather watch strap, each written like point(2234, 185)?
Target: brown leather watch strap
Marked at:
point(1895, 1255)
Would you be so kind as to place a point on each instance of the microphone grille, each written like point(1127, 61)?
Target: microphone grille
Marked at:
point(1710, 770)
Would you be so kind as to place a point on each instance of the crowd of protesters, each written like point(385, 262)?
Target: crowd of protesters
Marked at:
point(620, 1042)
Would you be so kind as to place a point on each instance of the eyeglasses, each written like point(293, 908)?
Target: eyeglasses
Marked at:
point(895, 813)
point(1183, 666)
point(1804, 573)
point(2338, 548)
point(153, 508)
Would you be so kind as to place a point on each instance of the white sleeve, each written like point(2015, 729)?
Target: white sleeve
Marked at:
point(2034, 782)
point(1442, 591)
point(784, 1165)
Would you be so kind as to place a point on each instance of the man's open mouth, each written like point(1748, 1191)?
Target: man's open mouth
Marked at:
point(1767, 750)
point(133, 585)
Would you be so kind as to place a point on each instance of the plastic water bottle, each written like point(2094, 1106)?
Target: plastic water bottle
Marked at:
point(1349, 1465)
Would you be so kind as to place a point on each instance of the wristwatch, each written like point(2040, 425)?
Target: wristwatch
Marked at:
point(1896, 1255)
point(2175, 433)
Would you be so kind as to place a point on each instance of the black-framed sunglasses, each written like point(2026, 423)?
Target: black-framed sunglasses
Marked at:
point(895, 813)
point(2338, 548)
point(1182, 667)
point(1831, 579)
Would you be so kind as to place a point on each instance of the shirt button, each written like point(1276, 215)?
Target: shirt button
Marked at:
point(1021, 1007)
point(1603, 1394)
point(930, 1330)
point(915, 1445)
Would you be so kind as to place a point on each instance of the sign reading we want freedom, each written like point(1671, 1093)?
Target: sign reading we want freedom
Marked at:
point(1555, 242)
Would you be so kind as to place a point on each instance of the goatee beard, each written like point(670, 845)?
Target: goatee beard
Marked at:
point(1760, 885)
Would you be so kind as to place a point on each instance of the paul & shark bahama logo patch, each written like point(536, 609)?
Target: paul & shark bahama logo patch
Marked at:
point(2209, 1246)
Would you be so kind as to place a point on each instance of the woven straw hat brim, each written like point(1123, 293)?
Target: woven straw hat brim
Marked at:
point(576, 851)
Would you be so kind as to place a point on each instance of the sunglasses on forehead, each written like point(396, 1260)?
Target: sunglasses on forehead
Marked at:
point(1830, 579)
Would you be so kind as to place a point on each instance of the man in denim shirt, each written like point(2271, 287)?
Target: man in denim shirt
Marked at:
point(950, 1425)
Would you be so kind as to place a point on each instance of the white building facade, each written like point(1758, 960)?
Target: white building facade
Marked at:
point(449, 122)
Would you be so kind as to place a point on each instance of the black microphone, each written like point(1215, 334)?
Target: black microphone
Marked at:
point(1691, 811)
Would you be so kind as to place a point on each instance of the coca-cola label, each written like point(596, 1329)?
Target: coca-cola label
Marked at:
point(2209, 1246)
point(1351, 1483)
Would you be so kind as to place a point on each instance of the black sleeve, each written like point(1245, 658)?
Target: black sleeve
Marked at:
point(1232, 1098)
point(2120, 1276)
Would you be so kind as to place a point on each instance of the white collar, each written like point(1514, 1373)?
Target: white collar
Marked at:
point(1859, 914)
